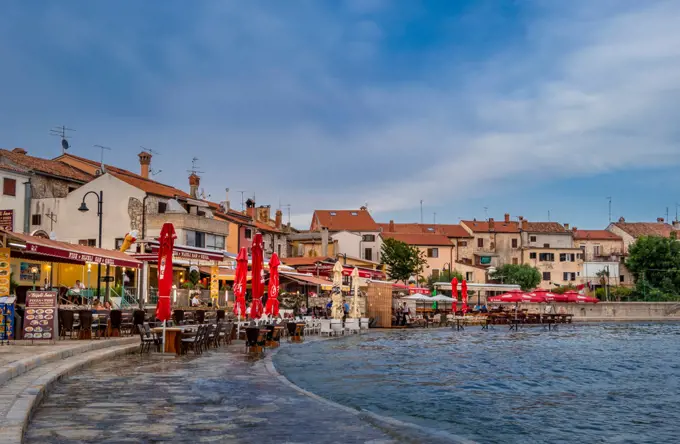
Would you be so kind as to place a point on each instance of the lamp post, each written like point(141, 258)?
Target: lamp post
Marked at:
point(83, 209)
point(34, 272)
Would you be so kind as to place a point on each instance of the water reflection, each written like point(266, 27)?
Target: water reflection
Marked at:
point(587, 383)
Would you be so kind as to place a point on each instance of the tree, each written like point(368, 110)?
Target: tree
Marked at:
point(526, 276)
point(402, 260)
point(654, 262)
point(444, 276)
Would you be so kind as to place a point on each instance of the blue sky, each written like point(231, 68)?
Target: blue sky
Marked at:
point(524, 106)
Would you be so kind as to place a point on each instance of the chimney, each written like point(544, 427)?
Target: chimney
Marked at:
point(194, 182)
point(676, 225)
point(659, 220)
point(263, 213)
point(144, 162)
point(250, 209)
point(621, 219)
point(507, 217)
point(491, 224)
point(390, 228)
point(521, 218)
point(227, 203)
point(575, 229)
point(279, 218)
point(566, 227)
point(19, 151)
point(363, 208)
point(525, 224)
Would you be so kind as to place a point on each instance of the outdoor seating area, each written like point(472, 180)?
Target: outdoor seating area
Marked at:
point(85, 323)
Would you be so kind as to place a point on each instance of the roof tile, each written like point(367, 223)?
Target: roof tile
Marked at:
point(344, 220)
point(45, 166)
point(423, 239)
point(638, 229)
point(595, 235)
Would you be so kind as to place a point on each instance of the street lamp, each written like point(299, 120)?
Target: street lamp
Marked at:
point(34, 272)
point(83, 209)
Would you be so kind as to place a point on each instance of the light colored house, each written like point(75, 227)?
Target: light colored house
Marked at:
point(494, 243)
point(367, 241)
point(546, 234)
point(558, 266)
point(15, 201)
point(457, 235)
point(602, 250)
point(631, 231)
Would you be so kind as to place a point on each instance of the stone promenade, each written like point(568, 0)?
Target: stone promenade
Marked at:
point(220, 396)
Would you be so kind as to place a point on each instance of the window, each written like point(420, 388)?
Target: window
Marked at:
point(36, 219)
point(546, 257)
point(514, 243)
point(532, 255)
point(566, 276)
point(278, 250)
point(435, 273)
point(214, 241)
point(430, 229)
point(579, 256)
point(433, 252)
point(72, 188)
point(532, 239)
point(622, 278)
point(195, 239)
point(546, 275)
point(368, 238)
point(118, 243)
point(9, 187)
point(88, 242)
point(546, 245)
point(368, 254)
point(462, 243)
point(354, 213)
point(480, 243)
point(596, 250)
point(162, 207)
point(514, 261)
point(468, 276)
point(248, 233)
point(567, 257)
point(332, 213)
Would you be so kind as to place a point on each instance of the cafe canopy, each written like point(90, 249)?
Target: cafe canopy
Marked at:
point(41, 249)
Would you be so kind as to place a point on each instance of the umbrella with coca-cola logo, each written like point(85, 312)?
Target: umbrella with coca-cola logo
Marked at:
point(272, 307)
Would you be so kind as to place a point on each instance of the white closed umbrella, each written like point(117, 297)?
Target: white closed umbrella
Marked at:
point(355, 298)
point(336, 292)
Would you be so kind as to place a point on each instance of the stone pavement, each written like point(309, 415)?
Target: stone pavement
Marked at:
point(31, 370)
point(220, 396)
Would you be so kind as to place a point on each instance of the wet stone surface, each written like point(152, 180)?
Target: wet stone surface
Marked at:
point(220, 396)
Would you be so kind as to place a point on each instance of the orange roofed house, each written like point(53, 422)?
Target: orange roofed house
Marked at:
point(353, 232)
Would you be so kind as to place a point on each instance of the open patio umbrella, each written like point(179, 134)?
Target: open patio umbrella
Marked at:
point(575, 297)
point(551, 297)
point(336, 292)
point(507, 298)
point(464, 296)
point(355, 312)
point(167, 242)
point(240, 282)
point(454, 294)
point(272, 308)
point(257, 283)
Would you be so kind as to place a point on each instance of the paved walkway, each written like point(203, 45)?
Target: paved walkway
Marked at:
point(220, 396)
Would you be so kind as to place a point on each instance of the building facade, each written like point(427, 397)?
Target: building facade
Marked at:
point(366, 239)
point(15, 199)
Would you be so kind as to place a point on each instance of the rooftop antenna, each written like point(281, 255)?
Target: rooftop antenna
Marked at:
point(243, 202)
point(194, 167)
point(549, 216)
point(149, 150)
point(434, 218)
point(287, 207)
point(486, 213)
point(610, 209)
point(61, 131)
point(676, 211)
point(155, 172)
point(102, 148)
point(421, 211)
point(667, 214)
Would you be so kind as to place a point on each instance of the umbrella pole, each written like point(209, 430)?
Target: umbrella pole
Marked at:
point(164, 322)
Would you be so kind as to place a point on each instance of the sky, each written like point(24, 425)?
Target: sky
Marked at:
point(538, 108)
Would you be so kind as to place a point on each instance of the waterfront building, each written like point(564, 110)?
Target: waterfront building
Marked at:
point(630, 231)
point(16, 201)
point(355, 231)
point(436, 248)
point(494, 243)
point(602, 251)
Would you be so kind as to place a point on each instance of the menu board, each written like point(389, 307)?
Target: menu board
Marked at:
point(40, 321)
point(6, 318)
point(7, 220)
point(5, 272)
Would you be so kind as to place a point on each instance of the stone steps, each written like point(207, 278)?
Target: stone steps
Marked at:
point(24, 383)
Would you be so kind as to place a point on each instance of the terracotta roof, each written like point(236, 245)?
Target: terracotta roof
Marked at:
point(235, 217)
point(264, 227)
point(14, 169)
point(306, 260)
point(423, 239)
point(595, 235)
point(339, 220)
point(544, 227)
point(46, 166)
point(498, 226)
point(149, 186)
point(638, 229)
point(449, 230)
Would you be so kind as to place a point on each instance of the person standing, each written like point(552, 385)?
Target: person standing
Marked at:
point(406, 314)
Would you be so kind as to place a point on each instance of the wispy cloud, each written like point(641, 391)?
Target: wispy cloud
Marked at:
point(315, 103)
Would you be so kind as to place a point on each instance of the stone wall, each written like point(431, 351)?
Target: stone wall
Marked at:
point(43, 187)
point(618, 311)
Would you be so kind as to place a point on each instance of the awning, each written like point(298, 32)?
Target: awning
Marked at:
point(38, 246)
point(183, 252)
point(327, 270)
point(308, 279)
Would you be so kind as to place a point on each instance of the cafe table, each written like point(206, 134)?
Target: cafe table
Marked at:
point(173, 337)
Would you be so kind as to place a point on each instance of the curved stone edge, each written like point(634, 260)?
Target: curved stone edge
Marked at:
point(362, 414)
point(22, 409)
point(18, 368)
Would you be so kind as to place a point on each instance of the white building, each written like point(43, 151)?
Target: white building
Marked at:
point(15, 199)
point(354, 230)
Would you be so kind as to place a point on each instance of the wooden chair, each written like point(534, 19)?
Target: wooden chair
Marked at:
point(116, 323)
point(66, 322)
point(85, 317)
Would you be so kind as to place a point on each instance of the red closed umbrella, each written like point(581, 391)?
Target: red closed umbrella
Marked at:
point(167, 242)
point(272, 307)
point(464, 296)
point(240, 282)
point(454, 293)
point(257, 283)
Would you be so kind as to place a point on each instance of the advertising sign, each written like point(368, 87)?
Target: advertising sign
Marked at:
point(7, 220)
point(214, 284)
point(41, 315)
point(26, 271)
point(5, 272)
point(6, 318)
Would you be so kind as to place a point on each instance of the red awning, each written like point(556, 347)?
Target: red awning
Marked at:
point(326, 270)
point(71, 252)
point(305, 278)
point(182, 252)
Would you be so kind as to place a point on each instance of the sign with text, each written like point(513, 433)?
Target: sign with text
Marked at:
point(79, 257)
point(5, 272)
point(40, 320)
point(214, 284)
point(7, 220)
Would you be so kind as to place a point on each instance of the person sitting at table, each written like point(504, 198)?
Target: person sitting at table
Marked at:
point(77, 287)
point(195, 302)
point(484, 309)
point(107, 306)
point(96, 305)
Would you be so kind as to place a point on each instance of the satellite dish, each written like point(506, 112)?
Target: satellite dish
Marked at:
point(64, 144)
point(53, 235)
